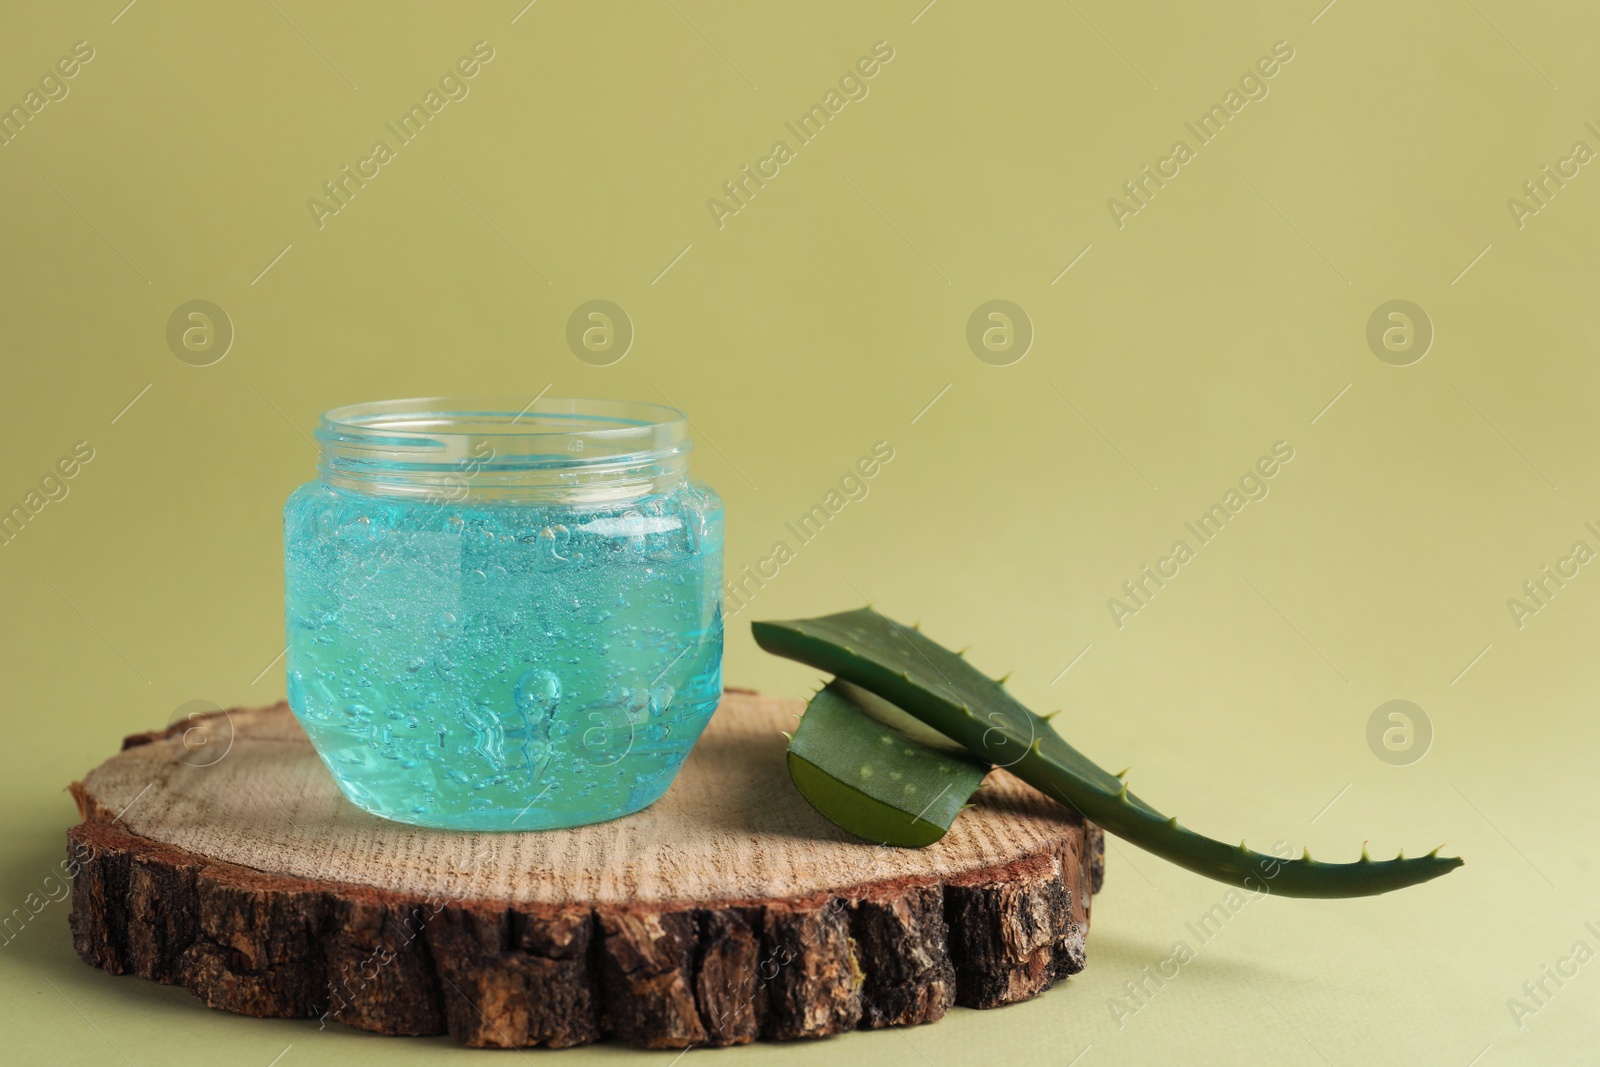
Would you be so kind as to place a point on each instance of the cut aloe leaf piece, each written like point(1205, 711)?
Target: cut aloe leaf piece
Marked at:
point(870, 778)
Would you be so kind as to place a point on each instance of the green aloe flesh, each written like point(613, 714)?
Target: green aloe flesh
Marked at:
point(852, 759)
point(948, 694)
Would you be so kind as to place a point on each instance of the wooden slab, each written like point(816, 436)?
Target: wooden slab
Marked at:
point(219, 855)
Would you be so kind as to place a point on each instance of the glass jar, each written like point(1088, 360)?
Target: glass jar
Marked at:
point(503, 616)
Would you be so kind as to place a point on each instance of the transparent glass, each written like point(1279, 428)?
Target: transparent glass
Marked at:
point(503, 616)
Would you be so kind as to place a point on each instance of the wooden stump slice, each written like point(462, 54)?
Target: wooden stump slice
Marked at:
point(726, 912)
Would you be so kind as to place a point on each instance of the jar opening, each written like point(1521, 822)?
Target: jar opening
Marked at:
point(485, 447)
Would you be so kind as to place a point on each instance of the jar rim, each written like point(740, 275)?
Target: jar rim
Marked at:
point(499, 442)
point(503, 415)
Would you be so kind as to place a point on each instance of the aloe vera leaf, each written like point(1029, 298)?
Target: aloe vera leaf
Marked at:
point(939, 687)
point(869, 778)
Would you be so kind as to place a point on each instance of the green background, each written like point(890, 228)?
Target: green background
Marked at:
point(823, 317)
